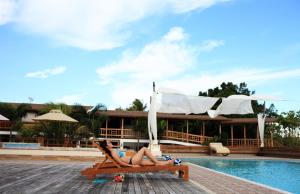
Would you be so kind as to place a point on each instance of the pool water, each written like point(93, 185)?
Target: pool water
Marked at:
point(21, 145)
point(284, 175)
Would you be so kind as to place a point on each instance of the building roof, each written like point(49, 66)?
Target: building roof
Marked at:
point(143, 114)
point(37, 107)
point(247, 120)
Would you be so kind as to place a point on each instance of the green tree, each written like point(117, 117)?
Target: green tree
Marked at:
point(137, 105)
point(120, 109)
point(227, 89)
point(290, 121)
point(66, 109)
point(15, 115)
point(161, 127)
point(286, 130)
point(96, 118)
point(56, 130)
point(139, 124)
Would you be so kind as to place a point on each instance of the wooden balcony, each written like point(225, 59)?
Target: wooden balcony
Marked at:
point(5, 125)
point(121, 133)
point(172, 135)
point(252, 143)
point(185, 137)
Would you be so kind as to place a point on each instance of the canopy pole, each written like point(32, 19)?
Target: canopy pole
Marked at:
point(187, 130)
point(122, 129)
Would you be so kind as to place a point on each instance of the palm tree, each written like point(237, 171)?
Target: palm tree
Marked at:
point(56, 130)
point(140, 125)
point(20, 112)
point(95, 118)
point(15, 115)
point(137, 105)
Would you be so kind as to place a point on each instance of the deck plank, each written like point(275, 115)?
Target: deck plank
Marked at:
point(47, 177)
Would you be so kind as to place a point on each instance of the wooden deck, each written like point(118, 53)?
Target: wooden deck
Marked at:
point(64, 177)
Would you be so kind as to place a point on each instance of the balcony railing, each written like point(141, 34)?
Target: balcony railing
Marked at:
point(253, 143)
point(5, 124)
point(174, 135)
point(120, 133)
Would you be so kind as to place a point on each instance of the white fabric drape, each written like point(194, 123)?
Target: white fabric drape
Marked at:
point(152, 122)
point(200, 104)
point(235, 104)
point(261, 127)
point(174, 103)
point(149, 124)
point(178, 103)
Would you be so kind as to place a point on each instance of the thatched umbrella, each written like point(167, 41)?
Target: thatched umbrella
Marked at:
point(55, 115)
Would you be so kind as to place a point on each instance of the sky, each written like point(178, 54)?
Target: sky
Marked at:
point(110, 52)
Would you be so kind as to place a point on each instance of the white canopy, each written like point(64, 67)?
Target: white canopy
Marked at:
point(179, 103)
point(201, 104)
point(152, 122)
point(235, 104)
point(3, 118)
point(174, 102)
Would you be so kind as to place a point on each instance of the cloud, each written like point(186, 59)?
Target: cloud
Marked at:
point(7, 8)
point(165, 59)
point(94, 24)
point(172, 62)
point(46, 73)
point(209, 45)
point(192, 84)
point(180, 6)
point(71, 99)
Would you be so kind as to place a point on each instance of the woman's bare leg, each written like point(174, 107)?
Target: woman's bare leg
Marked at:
point(147, 163)
point(150, 163)
point(138, 158)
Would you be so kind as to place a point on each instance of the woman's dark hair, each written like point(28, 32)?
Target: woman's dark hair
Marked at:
point(103, 145)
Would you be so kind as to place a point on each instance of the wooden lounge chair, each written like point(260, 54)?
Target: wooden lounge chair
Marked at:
point(218, 148)
point(110, 166)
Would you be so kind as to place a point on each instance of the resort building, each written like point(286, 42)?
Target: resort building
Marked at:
point(184, 129)
point(178, 129)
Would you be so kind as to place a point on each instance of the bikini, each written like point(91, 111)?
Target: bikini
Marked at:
point(122, 154)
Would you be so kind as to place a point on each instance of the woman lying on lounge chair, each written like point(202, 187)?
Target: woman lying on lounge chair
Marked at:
point(136, 160)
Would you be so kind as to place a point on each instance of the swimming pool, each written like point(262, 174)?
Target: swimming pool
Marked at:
point(281, 174)
point(11, 145)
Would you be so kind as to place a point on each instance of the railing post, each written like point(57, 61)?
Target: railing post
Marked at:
point(187, 130)
point(167, 129)
point(203, 125)
point(122, 127)
point(106, 129)
point(271, 139)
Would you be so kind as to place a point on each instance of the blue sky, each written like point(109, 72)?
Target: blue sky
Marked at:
point(92, 52)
